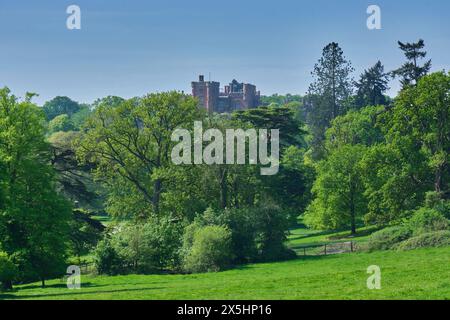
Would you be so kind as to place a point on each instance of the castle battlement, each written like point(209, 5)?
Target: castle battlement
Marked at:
point(235, 96)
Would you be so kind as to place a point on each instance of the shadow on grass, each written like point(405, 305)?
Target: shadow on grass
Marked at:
point(56, 286)
point(74, 293)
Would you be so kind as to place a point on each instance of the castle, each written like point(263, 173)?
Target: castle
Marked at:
point(236, 96)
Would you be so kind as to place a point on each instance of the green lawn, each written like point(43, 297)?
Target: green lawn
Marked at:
point(302, 237)
point(418, 274)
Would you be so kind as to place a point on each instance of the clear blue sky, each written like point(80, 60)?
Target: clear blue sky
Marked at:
point(128, 48)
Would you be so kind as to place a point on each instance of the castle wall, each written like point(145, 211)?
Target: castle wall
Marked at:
point(237, 96)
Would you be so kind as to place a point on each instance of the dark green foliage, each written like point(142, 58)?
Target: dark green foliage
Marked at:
point(60, 106)
point(84, 233)
point(106, 259)
point(371, 87)
point(410, 72)
point(281, 118)
point(257, 233)
point(8, 272)
point(328, 96)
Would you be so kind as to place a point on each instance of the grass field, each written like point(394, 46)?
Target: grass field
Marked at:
point(418, 274)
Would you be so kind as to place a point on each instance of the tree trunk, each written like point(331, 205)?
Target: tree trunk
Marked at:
point(223, 189)
point(156, 195)
point(43, 283)
point(352, 211)
point(438, 180)
point(7, 285)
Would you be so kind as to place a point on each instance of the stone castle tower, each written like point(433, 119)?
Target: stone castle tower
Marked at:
point(236, 96)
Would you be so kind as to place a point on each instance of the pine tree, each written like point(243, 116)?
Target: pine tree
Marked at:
point(371, 87)
point(328, 94)
point(410, 72)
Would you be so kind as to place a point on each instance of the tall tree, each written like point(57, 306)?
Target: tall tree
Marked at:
point(328, 94)
point(410, 72)
point(371, 87)
point(60, 105)
point(33, 217)
point(131, 146)
point(422, 112)
point(414, 158)
point(339, 191)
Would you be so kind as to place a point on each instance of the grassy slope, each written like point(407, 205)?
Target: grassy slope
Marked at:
point(418, 274)
point(301, 237)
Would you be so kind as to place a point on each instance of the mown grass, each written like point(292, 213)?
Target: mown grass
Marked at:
point(417, 274)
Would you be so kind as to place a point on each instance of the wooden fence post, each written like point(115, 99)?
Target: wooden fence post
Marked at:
point(325, 249)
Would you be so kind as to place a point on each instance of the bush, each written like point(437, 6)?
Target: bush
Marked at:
point(149, 247)
point(140, 248)
point(385, 239)
point(106, 259)
point(425, 220)
point(436, 201)
point(431, 239)
point(210, 251)
point(257, 233)
point(271, 226)
point(8, 272)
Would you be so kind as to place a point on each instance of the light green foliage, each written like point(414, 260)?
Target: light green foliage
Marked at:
point(414, 159)
point(210, 251)
point(33, 217)
point(339, 192)
point(140, 247)
point(426, 240)
point(355, 127)
point(421, 112)
point(78, 119)
point(60, 123)
point(426, 220)
point(131, 145)
point(387, 238)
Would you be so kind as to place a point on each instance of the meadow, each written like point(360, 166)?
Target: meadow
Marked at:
point(416, 274)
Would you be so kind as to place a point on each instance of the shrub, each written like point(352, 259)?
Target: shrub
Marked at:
point(210, 251)
point(271, 224)
point(436, 201)
point(149, 247)
point(431, 239)
point(106, 259)
point(425, 220)
point(257, 233)
point(141, 248)
point(8, 272)
point(385, 239)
